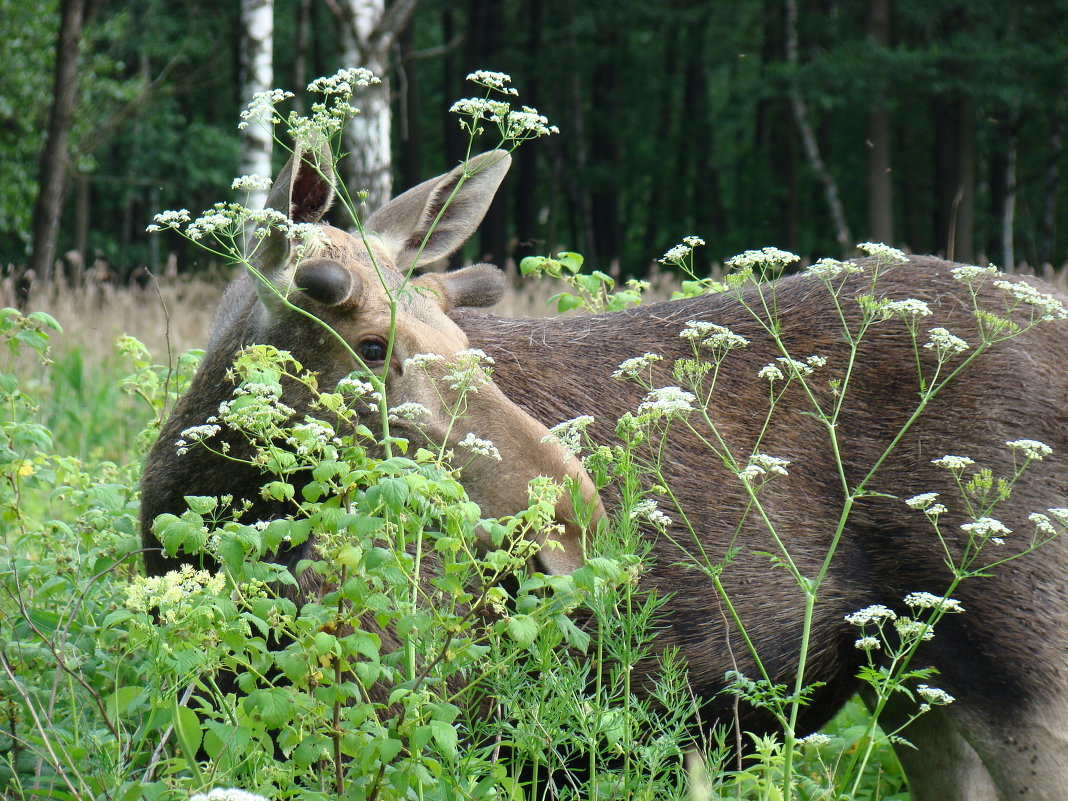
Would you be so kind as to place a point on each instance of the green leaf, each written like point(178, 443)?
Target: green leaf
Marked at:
point(273, 705)
point(571, 261)
point(445, 737)
point(201, 504)
point(523, 629)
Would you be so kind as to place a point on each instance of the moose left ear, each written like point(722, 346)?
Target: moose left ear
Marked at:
point(479, 285)
point(431, 220)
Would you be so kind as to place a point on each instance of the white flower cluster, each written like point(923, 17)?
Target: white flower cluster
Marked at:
point(953, 462)
point(360, 390)
point(987, 529)
point(883, 253)
point(468, 369)
point(969, 274)
point(421, 361)
point(829, 269)
point(633, 367)
point(196, 434)
point(493, 80)
point(1046, 306)
point(908, 308)
point(933, 695)
point(945, 344)
point(666, 402)
point(265, 411)
point(814, 740)
point(765, 258)
point(173, 592)
point(868, 643)
point(926, 502)
point(678, 253)
point(409, 411)
point(250, 183)
point(312, 437)
point(169, 219)
point(648, 510)
point(792, 367)
point(1032, 449)
point(480, 447)
point(761, 465)
point(569, 433)
point(513, 125)
point(928, 600)
point(876, 613)
point(261, 107)
point(344, 81)
point(710, 335)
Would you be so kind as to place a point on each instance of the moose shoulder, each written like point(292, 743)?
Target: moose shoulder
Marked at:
point(1004, 660)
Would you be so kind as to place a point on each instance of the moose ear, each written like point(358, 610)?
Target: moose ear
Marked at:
point(479, 285)
point(464, 193)
point(303, 192)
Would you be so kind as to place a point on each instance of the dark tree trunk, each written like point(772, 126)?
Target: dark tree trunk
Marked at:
point(880, 179)
point(55, 154)
point(1047, 237)
point(528, 234)
point(410, 132)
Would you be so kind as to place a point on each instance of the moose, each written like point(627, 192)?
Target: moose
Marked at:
point(1005, 660)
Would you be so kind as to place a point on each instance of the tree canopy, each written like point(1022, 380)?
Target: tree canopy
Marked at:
point(940, 124)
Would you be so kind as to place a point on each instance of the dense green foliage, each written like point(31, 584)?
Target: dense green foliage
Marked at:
point(675, 119)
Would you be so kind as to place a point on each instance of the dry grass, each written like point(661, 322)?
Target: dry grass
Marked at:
point(176, 314)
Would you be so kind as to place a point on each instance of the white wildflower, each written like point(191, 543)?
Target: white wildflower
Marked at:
point(344, 81)
point(921, 501)
point(870, 614)
point(481, 447)
point(261, 107)
point(250, 183)
point(772, 465)
point(987, 528)
point(1060, 514)
point(884, 253)
point(1042, 523)
point(968, 274)
point(934, 695)
point(354, 386)
point(868, 644)
point(1048, 307)
point(667, 402)
point(829, 269)
point(953, 462)
point(1032, 449)
point(909, 629)
point(910, 307)
point(569, 433)
point(764, 258)
point(814, 740)
point(200, 433)
point(408, 411)
point(928, 600)
point(944, 343)
point(771, 373)
point(632, 367)
point(648, 510)
point(712, 336)
point(421, 361)
point(492, 80)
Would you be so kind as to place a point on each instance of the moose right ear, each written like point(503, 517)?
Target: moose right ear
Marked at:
point(303, 192)
point(479, 285)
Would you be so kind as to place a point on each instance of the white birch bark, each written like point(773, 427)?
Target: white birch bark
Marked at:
point(257, 52)
point(368, 32)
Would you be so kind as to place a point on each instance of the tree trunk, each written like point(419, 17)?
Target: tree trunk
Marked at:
point(1049, 191)
point(880, 182)
point(300, 58)
point(368, 32)
point(808, 136)
point(257, 53)
point(55, 154)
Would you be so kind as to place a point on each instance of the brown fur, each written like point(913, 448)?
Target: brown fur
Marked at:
point(1004, 659)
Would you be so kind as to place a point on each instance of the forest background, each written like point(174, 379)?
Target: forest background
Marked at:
point(933, 125)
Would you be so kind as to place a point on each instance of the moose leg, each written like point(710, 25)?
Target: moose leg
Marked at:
point(941, 765)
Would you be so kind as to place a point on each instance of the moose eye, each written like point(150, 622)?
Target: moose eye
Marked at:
point(372, 351)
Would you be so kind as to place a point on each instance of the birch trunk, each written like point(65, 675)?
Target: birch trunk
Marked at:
point(368, 33)
point(257, 53)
